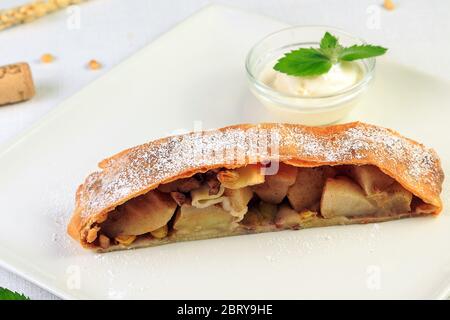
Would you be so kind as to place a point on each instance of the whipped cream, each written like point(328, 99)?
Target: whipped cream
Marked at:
point(341, 76)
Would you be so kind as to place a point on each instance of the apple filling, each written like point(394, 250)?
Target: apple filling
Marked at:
point(235, 201)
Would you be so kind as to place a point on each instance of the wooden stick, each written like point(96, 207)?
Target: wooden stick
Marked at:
point(32, 11)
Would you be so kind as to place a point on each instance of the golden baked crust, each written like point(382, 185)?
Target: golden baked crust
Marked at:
point(140, 169)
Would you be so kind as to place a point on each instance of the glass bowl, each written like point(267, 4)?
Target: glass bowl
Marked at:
point(311, 110)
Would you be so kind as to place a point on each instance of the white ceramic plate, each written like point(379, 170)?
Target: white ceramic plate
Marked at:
point(196, 73)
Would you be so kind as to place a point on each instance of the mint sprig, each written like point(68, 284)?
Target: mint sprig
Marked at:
point(306, 62)
point(6, 294)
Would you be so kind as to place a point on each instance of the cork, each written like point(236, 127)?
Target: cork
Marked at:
point(16, 83)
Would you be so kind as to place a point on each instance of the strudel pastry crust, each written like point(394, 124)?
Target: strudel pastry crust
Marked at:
point(339, 149)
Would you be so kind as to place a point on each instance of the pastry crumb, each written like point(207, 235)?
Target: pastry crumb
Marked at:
point(94, 65)
point(389, 5)
point(47, 58)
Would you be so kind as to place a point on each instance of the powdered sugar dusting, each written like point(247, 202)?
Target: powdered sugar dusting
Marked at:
point(157, 161)
point(417, 164)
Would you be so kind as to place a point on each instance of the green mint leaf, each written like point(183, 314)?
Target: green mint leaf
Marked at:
point(304, 62)
point(313, 62)
point(360, 52)
point(328, 41)
point(329, 46)
point(6, 294)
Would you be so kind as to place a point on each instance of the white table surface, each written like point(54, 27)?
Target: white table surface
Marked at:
point(416, 34)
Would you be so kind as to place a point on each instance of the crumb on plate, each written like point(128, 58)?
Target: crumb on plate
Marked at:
point(389, 5)
point(94, 65)
point(47, 58)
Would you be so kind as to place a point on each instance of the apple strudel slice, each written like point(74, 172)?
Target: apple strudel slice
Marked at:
point(254, 178)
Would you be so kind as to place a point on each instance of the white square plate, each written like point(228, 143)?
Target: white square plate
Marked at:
point(196, 73)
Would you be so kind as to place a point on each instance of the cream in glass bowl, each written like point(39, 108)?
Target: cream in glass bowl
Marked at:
point(310, 100)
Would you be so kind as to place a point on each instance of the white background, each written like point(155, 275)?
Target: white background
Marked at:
point(416, 33)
